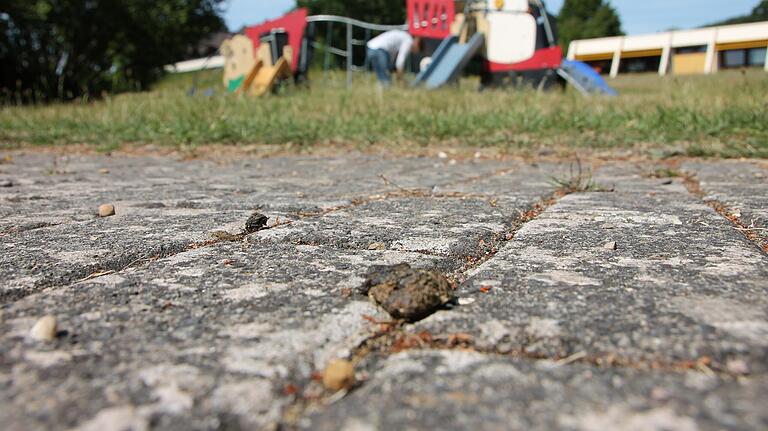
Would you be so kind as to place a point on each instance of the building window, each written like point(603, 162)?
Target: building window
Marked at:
point(756, 57)
point(639, 65)
point(691, 49)
point(736, 58)
point(733, 58)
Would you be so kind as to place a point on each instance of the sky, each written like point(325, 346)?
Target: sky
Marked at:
point(638, 16)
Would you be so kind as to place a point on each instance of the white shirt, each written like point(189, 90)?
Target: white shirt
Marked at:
point(397, 43)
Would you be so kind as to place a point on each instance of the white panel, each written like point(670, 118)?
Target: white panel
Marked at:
point(651, 41)
point(216, 62)
point(742, 33)
point(692, 37)
point(597, 46)
point(703, 36)
point(512, 37)
point(509, 5)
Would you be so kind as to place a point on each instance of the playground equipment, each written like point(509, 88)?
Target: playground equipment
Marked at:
point(520, 44)
point(514, 40)
point(267, 54)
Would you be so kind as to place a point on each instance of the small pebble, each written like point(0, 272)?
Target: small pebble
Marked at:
point(737, 366)
point(377, 246)
point(44, 329)
point(106, 210)
point(610, 245)
point(256, 222)
point(103, 171)
point(6, 183)
point(407, 293)
point(466, 301)
point(338, 375)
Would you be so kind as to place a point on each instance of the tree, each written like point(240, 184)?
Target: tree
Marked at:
point(759, 13)
point(65, 49)
point(375, 11)
point(586, 19)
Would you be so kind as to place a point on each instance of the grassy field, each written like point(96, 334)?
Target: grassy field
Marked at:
point(723, 115)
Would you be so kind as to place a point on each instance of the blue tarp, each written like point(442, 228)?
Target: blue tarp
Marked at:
point(586, 78)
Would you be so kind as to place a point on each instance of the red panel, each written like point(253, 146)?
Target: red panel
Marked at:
point(431, 18)
point(294, 23)
point(547, 58)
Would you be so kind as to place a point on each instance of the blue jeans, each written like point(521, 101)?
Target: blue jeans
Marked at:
point(379, 60)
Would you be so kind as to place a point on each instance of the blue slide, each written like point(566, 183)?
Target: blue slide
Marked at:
point(449, 60)
point(584, 78)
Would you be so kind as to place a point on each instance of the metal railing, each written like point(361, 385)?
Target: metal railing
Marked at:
point(348, 52)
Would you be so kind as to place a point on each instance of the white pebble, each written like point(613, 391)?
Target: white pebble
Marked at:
point(106, 210)
point(44, 329)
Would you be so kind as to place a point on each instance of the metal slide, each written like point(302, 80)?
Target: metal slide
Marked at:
point(449, 60)
point(584, 78)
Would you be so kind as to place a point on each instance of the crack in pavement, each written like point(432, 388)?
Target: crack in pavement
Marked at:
point(391, 333)
point(170, 249)
point(751, 233)
point(28, 227)
point(392, 338)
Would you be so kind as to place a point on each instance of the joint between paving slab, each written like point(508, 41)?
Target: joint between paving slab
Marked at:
point(497, 242)
point(392, 331)
point(393, 339)
point(693, 186)
point(225, 237)
point(396, 194)
point(20, 229)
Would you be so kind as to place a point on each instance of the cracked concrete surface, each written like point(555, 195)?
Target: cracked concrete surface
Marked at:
point(636, 308)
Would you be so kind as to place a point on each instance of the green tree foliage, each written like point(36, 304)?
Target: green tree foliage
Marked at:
point(65, 49)
point(584, 19)
point(759, 13)
point(375, 11)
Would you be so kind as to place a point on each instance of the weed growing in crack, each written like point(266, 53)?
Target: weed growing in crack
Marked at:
point(664, 173)
point(578, 180)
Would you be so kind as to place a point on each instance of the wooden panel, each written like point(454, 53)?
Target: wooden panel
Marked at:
point(595, 57)
point(743, 45)
point(239, 60)
point(689, 64)
point(643, 53)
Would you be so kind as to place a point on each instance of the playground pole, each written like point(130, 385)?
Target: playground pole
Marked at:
point(349, 55)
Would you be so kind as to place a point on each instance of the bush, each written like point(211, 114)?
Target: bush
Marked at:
point(67, 49)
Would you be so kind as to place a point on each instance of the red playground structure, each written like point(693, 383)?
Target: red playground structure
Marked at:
point(520, 39)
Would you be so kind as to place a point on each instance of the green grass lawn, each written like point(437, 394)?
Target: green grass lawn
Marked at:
point(721, 115)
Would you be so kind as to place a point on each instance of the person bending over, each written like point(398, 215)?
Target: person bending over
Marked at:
point(393, 44)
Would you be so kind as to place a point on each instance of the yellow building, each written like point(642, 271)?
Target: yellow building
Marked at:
point(698, 51)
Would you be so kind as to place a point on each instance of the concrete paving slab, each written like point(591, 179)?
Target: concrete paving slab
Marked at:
point(649, 274)
point(740, 186)
point(214, 328)
point(442, 226)
point(653, 303)
point(49, 213)
point(460, 390)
